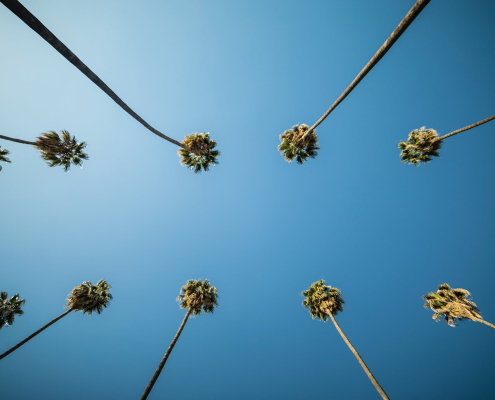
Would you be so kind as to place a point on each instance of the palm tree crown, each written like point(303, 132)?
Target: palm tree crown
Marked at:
point(3, 155)
point(296, 144)
point(63, 151)
point(196, 296)
point(199, 152)
point(89, 298)
point(9, 308)
point(421, 146)
point(452, 304)
point(322, 299)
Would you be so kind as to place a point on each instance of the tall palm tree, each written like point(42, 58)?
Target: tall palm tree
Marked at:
point(299, 143)
point(423, 144)
point(196, 296)
point(18, 9)
point(86, 297)
point(453, 305)
point(57, 150)
point(9, 308)
point(325, 301)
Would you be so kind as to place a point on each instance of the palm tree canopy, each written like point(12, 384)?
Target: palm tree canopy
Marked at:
point(3, 155)
point(196, 296)
point(421, 146)
point(63, 151)
point(89, 298)
point(9, 308)
point(321, 299)
point(199, 153)
point(452, 304)
point(296, 145)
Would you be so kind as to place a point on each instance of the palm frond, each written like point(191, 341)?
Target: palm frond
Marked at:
point(9, 308)
point(321, 300)
point(421, 146)
point(296, 145)
point(198, 295)
point(3, 155)
point(61, 150)
point(199, 153)
point(89, 298)
point(452, 304)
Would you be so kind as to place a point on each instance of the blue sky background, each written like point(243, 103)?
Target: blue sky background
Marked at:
point(260, 229)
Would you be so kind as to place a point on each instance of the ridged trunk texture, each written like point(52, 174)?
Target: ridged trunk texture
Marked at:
point(466, 128)
point(33, 22)
point(396, 34)
point(34, 334)
point(164, 359)
point(366, 369)
point(17, 140)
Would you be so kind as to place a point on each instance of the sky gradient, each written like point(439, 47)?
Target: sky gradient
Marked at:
point(260, 229)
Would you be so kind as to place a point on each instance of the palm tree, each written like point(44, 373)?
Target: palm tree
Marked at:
point(453, 305)
point(324, 301)
point(18, 9)
point(196, 296)
point(9, 308)
point(86, 297)
point(423, 144)
point(57, 150)
point(396, 34)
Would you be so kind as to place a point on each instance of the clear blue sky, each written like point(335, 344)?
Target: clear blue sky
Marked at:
point(260, 229)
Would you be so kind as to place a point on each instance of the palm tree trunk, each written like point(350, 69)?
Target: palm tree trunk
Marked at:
point(366, 369)
point(18, 9)
point(467, 128)
point(34, 334)
point(17, 140)
point(486, 323)
point(164, 359)
point(396, 34)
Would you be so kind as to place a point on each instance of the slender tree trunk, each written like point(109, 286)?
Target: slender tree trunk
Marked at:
point(164, 359)
point(366, 369)
point(18, 9)
point(17, 140)
point(396, 34)
point(486, 323)
point(34, 334)
point(466, 128)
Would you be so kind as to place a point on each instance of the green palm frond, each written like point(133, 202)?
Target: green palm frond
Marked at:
point(295, 145)
point(3, 155)
point(9, 308)
point(421, 146)
point(199, 153)
point(452, 304)
point(89, 298)
point(63, 151)
point(197, 295)
point(321, 299)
